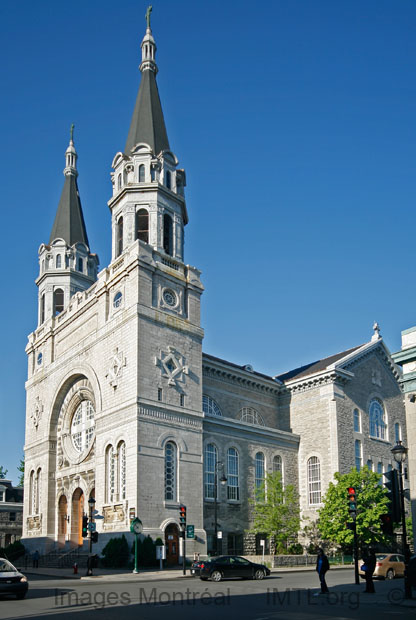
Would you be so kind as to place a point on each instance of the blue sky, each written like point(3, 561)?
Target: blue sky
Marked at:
point(295, 122)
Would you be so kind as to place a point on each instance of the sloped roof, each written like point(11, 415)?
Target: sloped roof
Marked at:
point(69, 221)
point(314, 367)
point(243, 367)
point(148, 124)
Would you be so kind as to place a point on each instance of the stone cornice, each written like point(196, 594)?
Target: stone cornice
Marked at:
point(221, 371)
point(171, 416)
point(405, 356)
point(325, 377)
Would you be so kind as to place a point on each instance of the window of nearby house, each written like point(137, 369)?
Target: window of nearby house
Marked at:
point(170, 471)
point(233, 490)
point(377, 422)
point(314, 480)
point(210, 466)
point(357, 421)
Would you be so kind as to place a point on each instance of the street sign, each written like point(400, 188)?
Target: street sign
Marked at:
point(91, 527)
point(190, 531)
point(219, 534)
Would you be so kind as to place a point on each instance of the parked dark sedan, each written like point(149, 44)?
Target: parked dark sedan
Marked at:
point(11, 580)
point(228, 567)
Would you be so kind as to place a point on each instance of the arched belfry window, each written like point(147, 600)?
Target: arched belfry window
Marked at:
point(142, 225)
point(167, 234)
point(168, 178)
point(42, 308)
point(119, 182)
point(170, 471)
point(58, 301)
point(119, 241)
point(141, 173)
point(58, 261)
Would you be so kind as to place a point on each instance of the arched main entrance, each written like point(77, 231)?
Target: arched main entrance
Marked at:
point(62, 519)
point(172, 544)
point(77, 514)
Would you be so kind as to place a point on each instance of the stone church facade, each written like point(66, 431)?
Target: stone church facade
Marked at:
point(124, 406)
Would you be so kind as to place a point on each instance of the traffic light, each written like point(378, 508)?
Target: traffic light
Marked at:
point(94, 537)
point(352, 501)
point(393, 495)
point(182, 516)
point(387, 524)
point(84, 526)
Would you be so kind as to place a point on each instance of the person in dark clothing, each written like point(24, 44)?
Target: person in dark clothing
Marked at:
point(36, 559)
point(370, 566)
point(322, 566)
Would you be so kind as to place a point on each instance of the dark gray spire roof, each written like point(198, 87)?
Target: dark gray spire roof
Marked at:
point(148, 124)
point(69, 220)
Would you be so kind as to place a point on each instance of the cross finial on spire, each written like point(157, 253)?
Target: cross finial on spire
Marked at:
point(71, 133)
point(148, 11)
point(376, 335)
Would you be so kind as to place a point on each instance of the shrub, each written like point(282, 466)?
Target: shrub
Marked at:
point(13, 551)
point(116, 553)
point(295, 549)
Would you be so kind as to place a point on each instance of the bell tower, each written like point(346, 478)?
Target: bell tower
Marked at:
point(66, 264)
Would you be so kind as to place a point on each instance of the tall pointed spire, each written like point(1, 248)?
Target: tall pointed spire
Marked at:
point(69, 222)
point(147, 124)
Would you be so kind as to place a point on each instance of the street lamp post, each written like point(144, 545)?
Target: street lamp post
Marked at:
point(399, 453)
point(91, 504)
point(218, 466)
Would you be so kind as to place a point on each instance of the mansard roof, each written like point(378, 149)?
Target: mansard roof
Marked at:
point(148, 124)
point(69, 223)
point(314, 367)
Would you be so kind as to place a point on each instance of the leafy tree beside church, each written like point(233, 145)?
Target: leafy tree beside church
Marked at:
point(371, 504)
point(276, 510)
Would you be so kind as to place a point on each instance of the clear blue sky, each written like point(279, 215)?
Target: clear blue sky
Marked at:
point(295, 122)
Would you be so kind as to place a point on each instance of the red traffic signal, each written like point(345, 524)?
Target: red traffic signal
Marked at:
point(352, 500)
point(182, 515)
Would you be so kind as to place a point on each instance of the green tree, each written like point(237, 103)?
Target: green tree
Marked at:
point(3, 472)
point(371, 504)
point(21, 468)
point(276, 510)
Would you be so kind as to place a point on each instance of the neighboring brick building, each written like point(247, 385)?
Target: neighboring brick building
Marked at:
point(123, 406)
point(11, 512)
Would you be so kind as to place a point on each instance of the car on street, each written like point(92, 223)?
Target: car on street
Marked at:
point(229, 567)
point(388, 566)
point(12, 581)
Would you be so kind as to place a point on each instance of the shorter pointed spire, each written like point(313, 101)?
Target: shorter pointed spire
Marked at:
point(69, 222)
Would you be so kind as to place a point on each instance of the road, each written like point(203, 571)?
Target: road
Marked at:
point(282, 596)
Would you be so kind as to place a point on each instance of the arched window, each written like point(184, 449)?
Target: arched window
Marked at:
point(277, 465)
point(210, 407)
point(380, 471)
point(58, 261)
point(314, 481)
point(110, 462)
point(168, 178)
point(36, 492)
point(119, 181)
point(142, 225)
point(121, 452)
point(259, 470)
point(31, 492)
point(170, 471)
point(251, 416)
point(141, 173)
point(167, 234)
point(377, 423)
point(210, 466)
point(117, 299)
point(370, 464)
point(119, 240)
point(233, 488)
point(397, 432)
point(357, 421)
point(358, 454)
point(42, 308)
point(58, 301)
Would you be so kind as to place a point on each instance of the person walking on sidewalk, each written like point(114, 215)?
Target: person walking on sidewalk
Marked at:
point(36, 559)
point(370, 566)
point(322, 566)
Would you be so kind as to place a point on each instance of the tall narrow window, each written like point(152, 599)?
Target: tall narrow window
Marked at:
point(170, 471)
point(357, 421)
point(397, 432)
point(58, 261)
point(80, 264)
point(141, 173)
point(259, 470)
point(121, 470)
point(119, 183)
point(210, 466)
point(314, 481)
point(233, 489)
point(31, 492)
point(167, 234)
point(142, 225)
point(277, 465)
point(119, 241)
point(110, 475)
point(370, 464)
point(37, 498)
point(42, 308)
point(168, 179)
point(358, 454)
point(380, 471)
point(377, 423)
point(58, 301)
